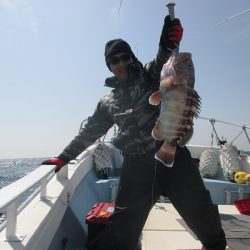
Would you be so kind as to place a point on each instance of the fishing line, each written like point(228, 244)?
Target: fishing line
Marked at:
point(229, 18)
point(154, 177)
point(120, 7)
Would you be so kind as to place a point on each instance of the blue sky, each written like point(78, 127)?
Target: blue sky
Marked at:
point(53, 69)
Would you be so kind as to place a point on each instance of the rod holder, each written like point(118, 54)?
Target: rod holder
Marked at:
point(171, 10)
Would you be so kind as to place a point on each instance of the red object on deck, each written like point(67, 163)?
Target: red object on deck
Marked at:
point(243, 206)
point(97, 220)
point(100, 213)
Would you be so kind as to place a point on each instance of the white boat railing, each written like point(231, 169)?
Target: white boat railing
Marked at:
point(12, 192)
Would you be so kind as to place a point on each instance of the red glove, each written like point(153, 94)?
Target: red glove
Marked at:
point(172, 32)
point(55, 161)
point(175, 31)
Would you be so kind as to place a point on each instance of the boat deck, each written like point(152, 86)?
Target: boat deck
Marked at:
point(164, 229)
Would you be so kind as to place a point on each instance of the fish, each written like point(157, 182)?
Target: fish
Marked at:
point(179, 105)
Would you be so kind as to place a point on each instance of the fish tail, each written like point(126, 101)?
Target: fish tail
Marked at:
point(166, 154)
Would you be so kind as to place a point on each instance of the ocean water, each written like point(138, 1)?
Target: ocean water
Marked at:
point(14, 169)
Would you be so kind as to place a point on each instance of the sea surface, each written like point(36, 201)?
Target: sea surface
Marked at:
point(14, 169)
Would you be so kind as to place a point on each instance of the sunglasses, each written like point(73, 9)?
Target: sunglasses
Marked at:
point(116, 59)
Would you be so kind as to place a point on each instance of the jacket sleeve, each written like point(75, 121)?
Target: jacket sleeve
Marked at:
point(166, 46)
point(97, 125)
point(154, 67)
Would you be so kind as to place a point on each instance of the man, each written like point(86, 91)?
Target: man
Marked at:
point(143, 179)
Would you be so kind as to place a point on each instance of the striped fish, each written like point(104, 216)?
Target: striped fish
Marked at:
point(180, 103)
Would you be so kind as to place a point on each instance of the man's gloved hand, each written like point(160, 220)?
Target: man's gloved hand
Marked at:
point(171, 34)
point(55, 161)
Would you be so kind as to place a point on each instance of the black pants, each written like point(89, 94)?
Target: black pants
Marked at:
point(143, 180)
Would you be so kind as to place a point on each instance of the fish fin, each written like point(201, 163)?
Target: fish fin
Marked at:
point(186, 137)
point(166, 154)
point(168, 82)
point(155, 98)
point(156, 132)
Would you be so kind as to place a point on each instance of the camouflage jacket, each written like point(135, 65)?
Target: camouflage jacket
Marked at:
point(128, 108)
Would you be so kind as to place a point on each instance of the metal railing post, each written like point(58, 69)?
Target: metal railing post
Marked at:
point(63, 172)
point(11, 221)
point(43, 187)
point(228, 197)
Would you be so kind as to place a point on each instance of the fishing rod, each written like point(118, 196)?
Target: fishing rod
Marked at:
point(171, 13)
point(171, 10)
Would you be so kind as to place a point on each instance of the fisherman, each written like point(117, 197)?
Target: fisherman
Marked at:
point(144, 179)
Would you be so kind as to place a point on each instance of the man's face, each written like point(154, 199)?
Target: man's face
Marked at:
point(119, 66)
